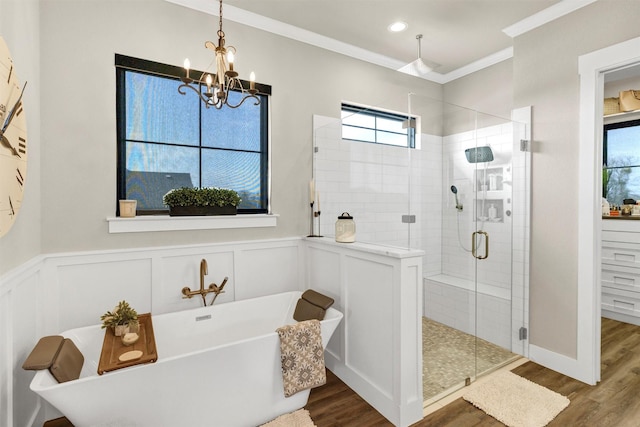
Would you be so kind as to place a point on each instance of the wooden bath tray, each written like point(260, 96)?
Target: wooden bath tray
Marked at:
point(112, 347)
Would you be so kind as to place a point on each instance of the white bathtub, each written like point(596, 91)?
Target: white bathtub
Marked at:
point(221, 371)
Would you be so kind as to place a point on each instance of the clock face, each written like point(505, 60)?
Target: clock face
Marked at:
point(13, 141)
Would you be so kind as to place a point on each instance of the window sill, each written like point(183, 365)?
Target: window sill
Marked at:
point(148, 223)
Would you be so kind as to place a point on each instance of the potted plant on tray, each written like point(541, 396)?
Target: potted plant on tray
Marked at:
point(123, 319)
point(202, 201)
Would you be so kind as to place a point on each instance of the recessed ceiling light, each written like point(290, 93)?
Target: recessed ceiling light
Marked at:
point(398, 26)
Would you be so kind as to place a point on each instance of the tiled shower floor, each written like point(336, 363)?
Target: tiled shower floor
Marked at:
point(449, 356)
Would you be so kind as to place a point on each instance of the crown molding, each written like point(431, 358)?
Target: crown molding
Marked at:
point(545, 16)
point(283, 29)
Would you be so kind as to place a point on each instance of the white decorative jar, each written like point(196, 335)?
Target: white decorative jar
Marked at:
point(345, 229)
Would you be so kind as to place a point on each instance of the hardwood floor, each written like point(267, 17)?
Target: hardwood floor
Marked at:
point(614, 402)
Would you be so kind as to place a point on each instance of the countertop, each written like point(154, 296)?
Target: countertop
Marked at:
point(627, 217)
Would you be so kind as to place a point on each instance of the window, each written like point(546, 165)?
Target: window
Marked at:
point(168, 140)
point(621, 157)
point(380, 127)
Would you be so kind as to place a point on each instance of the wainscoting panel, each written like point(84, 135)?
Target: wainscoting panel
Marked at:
point(177, 272)
point(87, 290)
point(269, 270)
point(379, 291)
point(369, 298)
point(20, 324)
point(327, 281)
point(6, 358)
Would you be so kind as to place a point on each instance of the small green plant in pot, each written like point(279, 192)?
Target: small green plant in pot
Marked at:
point(202, 201)
point(122, 319)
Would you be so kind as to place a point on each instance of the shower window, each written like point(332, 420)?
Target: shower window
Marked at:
point(379, 127)
point(621, 158)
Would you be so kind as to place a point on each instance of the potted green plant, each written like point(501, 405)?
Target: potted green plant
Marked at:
point(122, 319)
point(202, 201)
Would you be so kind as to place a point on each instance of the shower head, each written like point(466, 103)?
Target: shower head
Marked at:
point(479, 154)
point(454, 190)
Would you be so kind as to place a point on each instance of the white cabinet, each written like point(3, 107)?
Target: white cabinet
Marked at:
point(621, 270)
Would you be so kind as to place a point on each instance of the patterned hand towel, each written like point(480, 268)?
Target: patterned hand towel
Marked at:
point(302, 356)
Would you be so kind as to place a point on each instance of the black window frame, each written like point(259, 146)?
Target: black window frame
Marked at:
point(125, 63)
point(403, 118)
point(605, 147)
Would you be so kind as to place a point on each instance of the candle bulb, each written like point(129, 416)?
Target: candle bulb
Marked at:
point(230, 58)
point(252, 81)
point(187, 65)
point(312, 191)
point(209, 79)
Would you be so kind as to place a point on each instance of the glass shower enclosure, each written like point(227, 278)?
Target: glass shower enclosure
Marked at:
point(458, 189)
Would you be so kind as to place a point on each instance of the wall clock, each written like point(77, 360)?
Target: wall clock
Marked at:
point(13, 141)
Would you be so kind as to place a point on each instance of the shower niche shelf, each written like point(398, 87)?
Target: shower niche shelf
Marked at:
point(490, 179)
point(484, 209)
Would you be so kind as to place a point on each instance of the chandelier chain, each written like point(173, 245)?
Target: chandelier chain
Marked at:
point(220, 32)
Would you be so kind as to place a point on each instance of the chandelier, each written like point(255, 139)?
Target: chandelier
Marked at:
point(214, 90)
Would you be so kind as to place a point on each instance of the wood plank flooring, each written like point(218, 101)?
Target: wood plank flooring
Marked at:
point(614, 402)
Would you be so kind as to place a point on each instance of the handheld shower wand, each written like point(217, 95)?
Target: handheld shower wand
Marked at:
point(454, 190)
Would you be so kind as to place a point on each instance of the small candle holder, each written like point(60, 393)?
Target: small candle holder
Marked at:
point(317, 215)
point(314, 214)
point(311, 222)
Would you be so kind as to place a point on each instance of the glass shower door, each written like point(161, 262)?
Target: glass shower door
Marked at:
point(462, 197)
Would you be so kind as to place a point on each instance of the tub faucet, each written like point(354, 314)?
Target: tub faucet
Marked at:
point(217, 290)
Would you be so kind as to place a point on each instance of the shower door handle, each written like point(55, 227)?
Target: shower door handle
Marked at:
point(486, 244)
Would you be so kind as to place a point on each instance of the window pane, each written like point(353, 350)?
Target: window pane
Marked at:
point(374, 126)
point(622, 183)
point(155, 111)
point(392, 125)
point(391, 138)
point(233, 169)
point(237, 128)
point(154, 169)
point(623, 146)
point(362, 120)
point(358, 134)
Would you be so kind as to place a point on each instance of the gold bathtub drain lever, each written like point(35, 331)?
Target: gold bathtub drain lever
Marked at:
point(213, 288)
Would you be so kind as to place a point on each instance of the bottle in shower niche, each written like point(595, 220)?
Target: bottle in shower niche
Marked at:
point(492, 212)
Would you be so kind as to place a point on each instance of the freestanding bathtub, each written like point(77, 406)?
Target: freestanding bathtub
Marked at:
point(217, 366)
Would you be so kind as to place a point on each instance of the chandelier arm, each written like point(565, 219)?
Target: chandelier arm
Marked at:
point(205, 99)
point(244, 98)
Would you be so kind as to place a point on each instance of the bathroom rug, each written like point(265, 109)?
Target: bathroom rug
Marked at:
point(299, 418)
point(516, 401)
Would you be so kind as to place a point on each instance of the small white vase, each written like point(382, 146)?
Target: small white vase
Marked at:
point(120, 330)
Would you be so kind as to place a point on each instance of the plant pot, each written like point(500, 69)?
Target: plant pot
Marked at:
point(202, 210)
point(128, 208)
point(120, 330)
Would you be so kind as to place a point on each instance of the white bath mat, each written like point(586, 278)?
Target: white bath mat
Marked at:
point(299, 418)
point(516, 401)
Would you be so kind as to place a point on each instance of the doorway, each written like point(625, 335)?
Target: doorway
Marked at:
point(593, 68)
